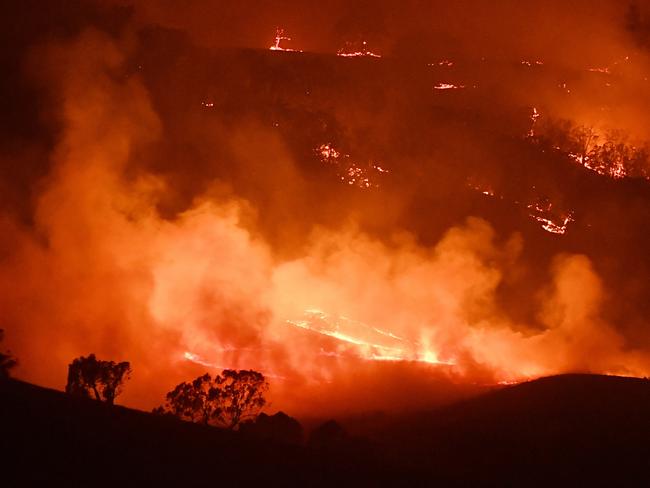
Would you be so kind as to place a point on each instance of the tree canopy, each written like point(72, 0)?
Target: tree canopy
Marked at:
point(88, 376)
point(225, 400)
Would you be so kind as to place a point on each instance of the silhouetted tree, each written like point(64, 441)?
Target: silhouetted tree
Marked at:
point(239, 395)
point(279, 428)
point(7, 360)
point(104, 379)
point(226, 400)
point(190, 401)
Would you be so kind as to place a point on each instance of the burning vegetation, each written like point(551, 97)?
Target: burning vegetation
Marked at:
point(471, 215)
point(280, 37)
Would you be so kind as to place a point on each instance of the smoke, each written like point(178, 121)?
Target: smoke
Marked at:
point(259, 266)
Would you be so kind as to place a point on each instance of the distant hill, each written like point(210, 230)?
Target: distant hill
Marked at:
point(579, 429)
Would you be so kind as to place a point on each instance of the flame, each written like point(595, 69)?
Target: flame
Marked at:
point(614, 169)
point(540, 211)
point(279, 37)
point(353, 50)
point(367, 342)
point(447, 86)
point(550, 226)
point(350, 172)
point(533, 121)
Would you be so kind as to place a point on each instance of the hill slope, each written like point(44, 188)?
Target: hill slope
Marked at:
point(571, 428)
point(54, 439)
point(578, 427)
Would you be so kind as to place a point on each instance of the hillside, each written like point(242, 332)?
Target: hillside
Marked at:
point(569, 427)
point(52, 438)
point(580, 428)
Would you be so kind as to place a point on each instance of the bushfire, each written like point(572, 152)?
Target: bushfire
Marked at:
point(460, 205)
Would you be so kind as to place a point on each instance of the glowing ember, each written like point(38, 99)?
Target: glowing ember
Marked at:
point(447, 86)
point(600, 70)
point(352, 50)
point(533, 118)
point(356, 176)
point(444, 62)
point(350, 172)
point(327, 152)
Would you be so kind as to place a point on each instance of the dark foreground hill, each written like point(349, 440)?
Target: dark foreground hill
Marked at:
point(52, 439)
point(584, 429)
point(587, 429)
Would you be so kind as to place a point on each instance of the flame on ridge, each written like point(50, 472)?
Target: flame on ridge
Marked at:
point(279, 37)
point(350, 50)
point(448, 86)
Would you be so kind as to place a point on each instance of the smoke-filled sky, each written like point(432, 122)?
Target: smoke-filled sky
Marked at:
point(505, 28)
point(166, 200)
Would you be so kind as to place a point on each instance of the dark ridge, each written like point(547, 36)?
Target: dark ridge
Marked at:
point(584, 429)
